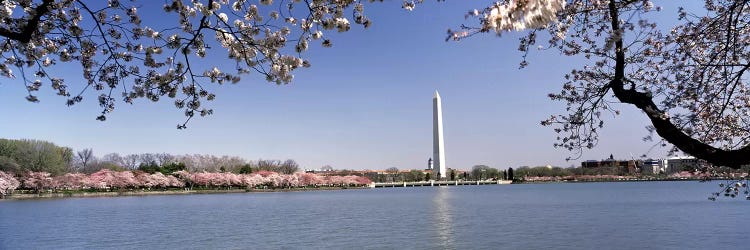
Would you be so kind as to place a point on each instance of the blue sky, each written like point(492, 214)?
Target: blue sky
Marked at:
point(364, 104)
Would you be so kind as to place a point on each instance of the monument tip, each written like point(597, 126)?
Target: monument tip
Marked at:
point(437, 95)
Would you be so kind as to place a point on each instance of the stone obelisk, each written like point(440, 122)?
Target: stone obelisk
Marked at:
point(438, 146)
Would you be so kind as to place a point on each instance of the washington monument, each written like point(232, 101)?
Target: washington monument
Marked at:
point(438, 146)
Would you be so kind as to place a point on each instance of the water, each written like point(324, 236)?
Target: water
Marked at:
point(646, 215)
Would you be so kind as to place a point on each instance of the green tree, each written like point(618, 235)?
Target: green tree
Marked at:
point(9, 165)
point(149, 167)
point(393, 174)
point(415, 175)
point(510, 174)
point(246, 169)
point(35, 155)
point(171, 167)
point(482, 172)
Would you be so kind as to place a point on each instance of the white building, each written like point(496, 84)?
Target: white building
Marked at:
point(652, 166)
point(677, 164)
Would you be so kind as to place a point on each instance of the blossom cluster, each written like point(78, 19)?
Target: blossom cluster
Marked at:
point(732, 189)
point(521, 15)
point(8, 183)
point(108, 179)
point(124, 56)
point(102, 179)
point(690, 79)
point(269, 179)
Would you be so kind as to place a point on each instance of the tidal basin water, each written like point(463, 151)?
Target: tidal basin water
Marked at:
point(636, 215)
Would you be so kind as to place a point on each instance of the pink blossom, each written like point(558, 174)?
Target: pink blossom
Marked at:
point(123, 179)
point(218, 180)
point(106, 178)
point(253, 180)
point(70, 181)
point(233, 179)
point(265, 173)
point(309, 179)
point(38, 181)
point(361, 180)
point(157, 180)
point(185, 177)
point(275, 180)
point(143, 179)
point(174, 182)
point(202, 179)
point(101, 179)
point(289, 180)
point(8, 183)
point(334, 180)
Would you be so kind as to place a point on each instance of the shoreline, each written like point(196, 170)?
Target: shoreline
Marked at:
point(624, 180)
point(100, 194)
point(83, 194)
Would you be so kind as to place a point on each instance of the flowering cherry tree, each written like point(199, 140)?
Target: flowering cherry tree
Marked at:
point(254, 180)
point(309, 179)
point(106, 179)
point(185, 177)
point(689, 80)
point(8, 184)
point(123, 58)
point(123, 179)
point(38, 181)
point(173, 181)
point(202, 179)
point(101, 179)
point(70, 181)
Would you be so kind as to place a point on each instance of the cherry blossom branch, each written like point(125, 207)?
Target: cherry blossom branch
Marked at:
point(663, 126)
point(24, 35)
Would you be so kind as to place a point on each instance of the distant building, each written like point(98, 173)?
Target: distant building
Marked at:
point(629, 166)
point(590, 164)
point(652, 166)
point(680, 163)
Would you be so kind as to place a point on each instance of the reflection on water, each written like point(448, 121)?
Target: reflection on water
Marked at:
point(442, 221)
point(653, 215)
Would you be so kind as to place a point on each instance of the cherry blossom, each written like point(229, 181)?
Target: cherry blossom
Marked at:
point(688, 79)
point(124, 56)
point(70, 181)
point(8, 184)
point(309, 179)
point(107, 179)
point(38, 181)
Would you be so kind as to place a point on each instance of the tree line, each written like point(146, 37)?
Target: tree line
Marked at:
point(478, 172)
point(686, 76)
point(24, 155)
point(34, 155)
point(110, 180)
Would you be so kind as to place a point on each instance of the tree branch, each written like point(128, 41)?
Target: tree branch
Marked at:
point(24, 36)
point(664, 127)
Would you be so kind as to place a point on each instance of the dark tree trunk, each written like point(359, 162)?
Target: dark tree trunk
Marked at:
point(664, 127)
